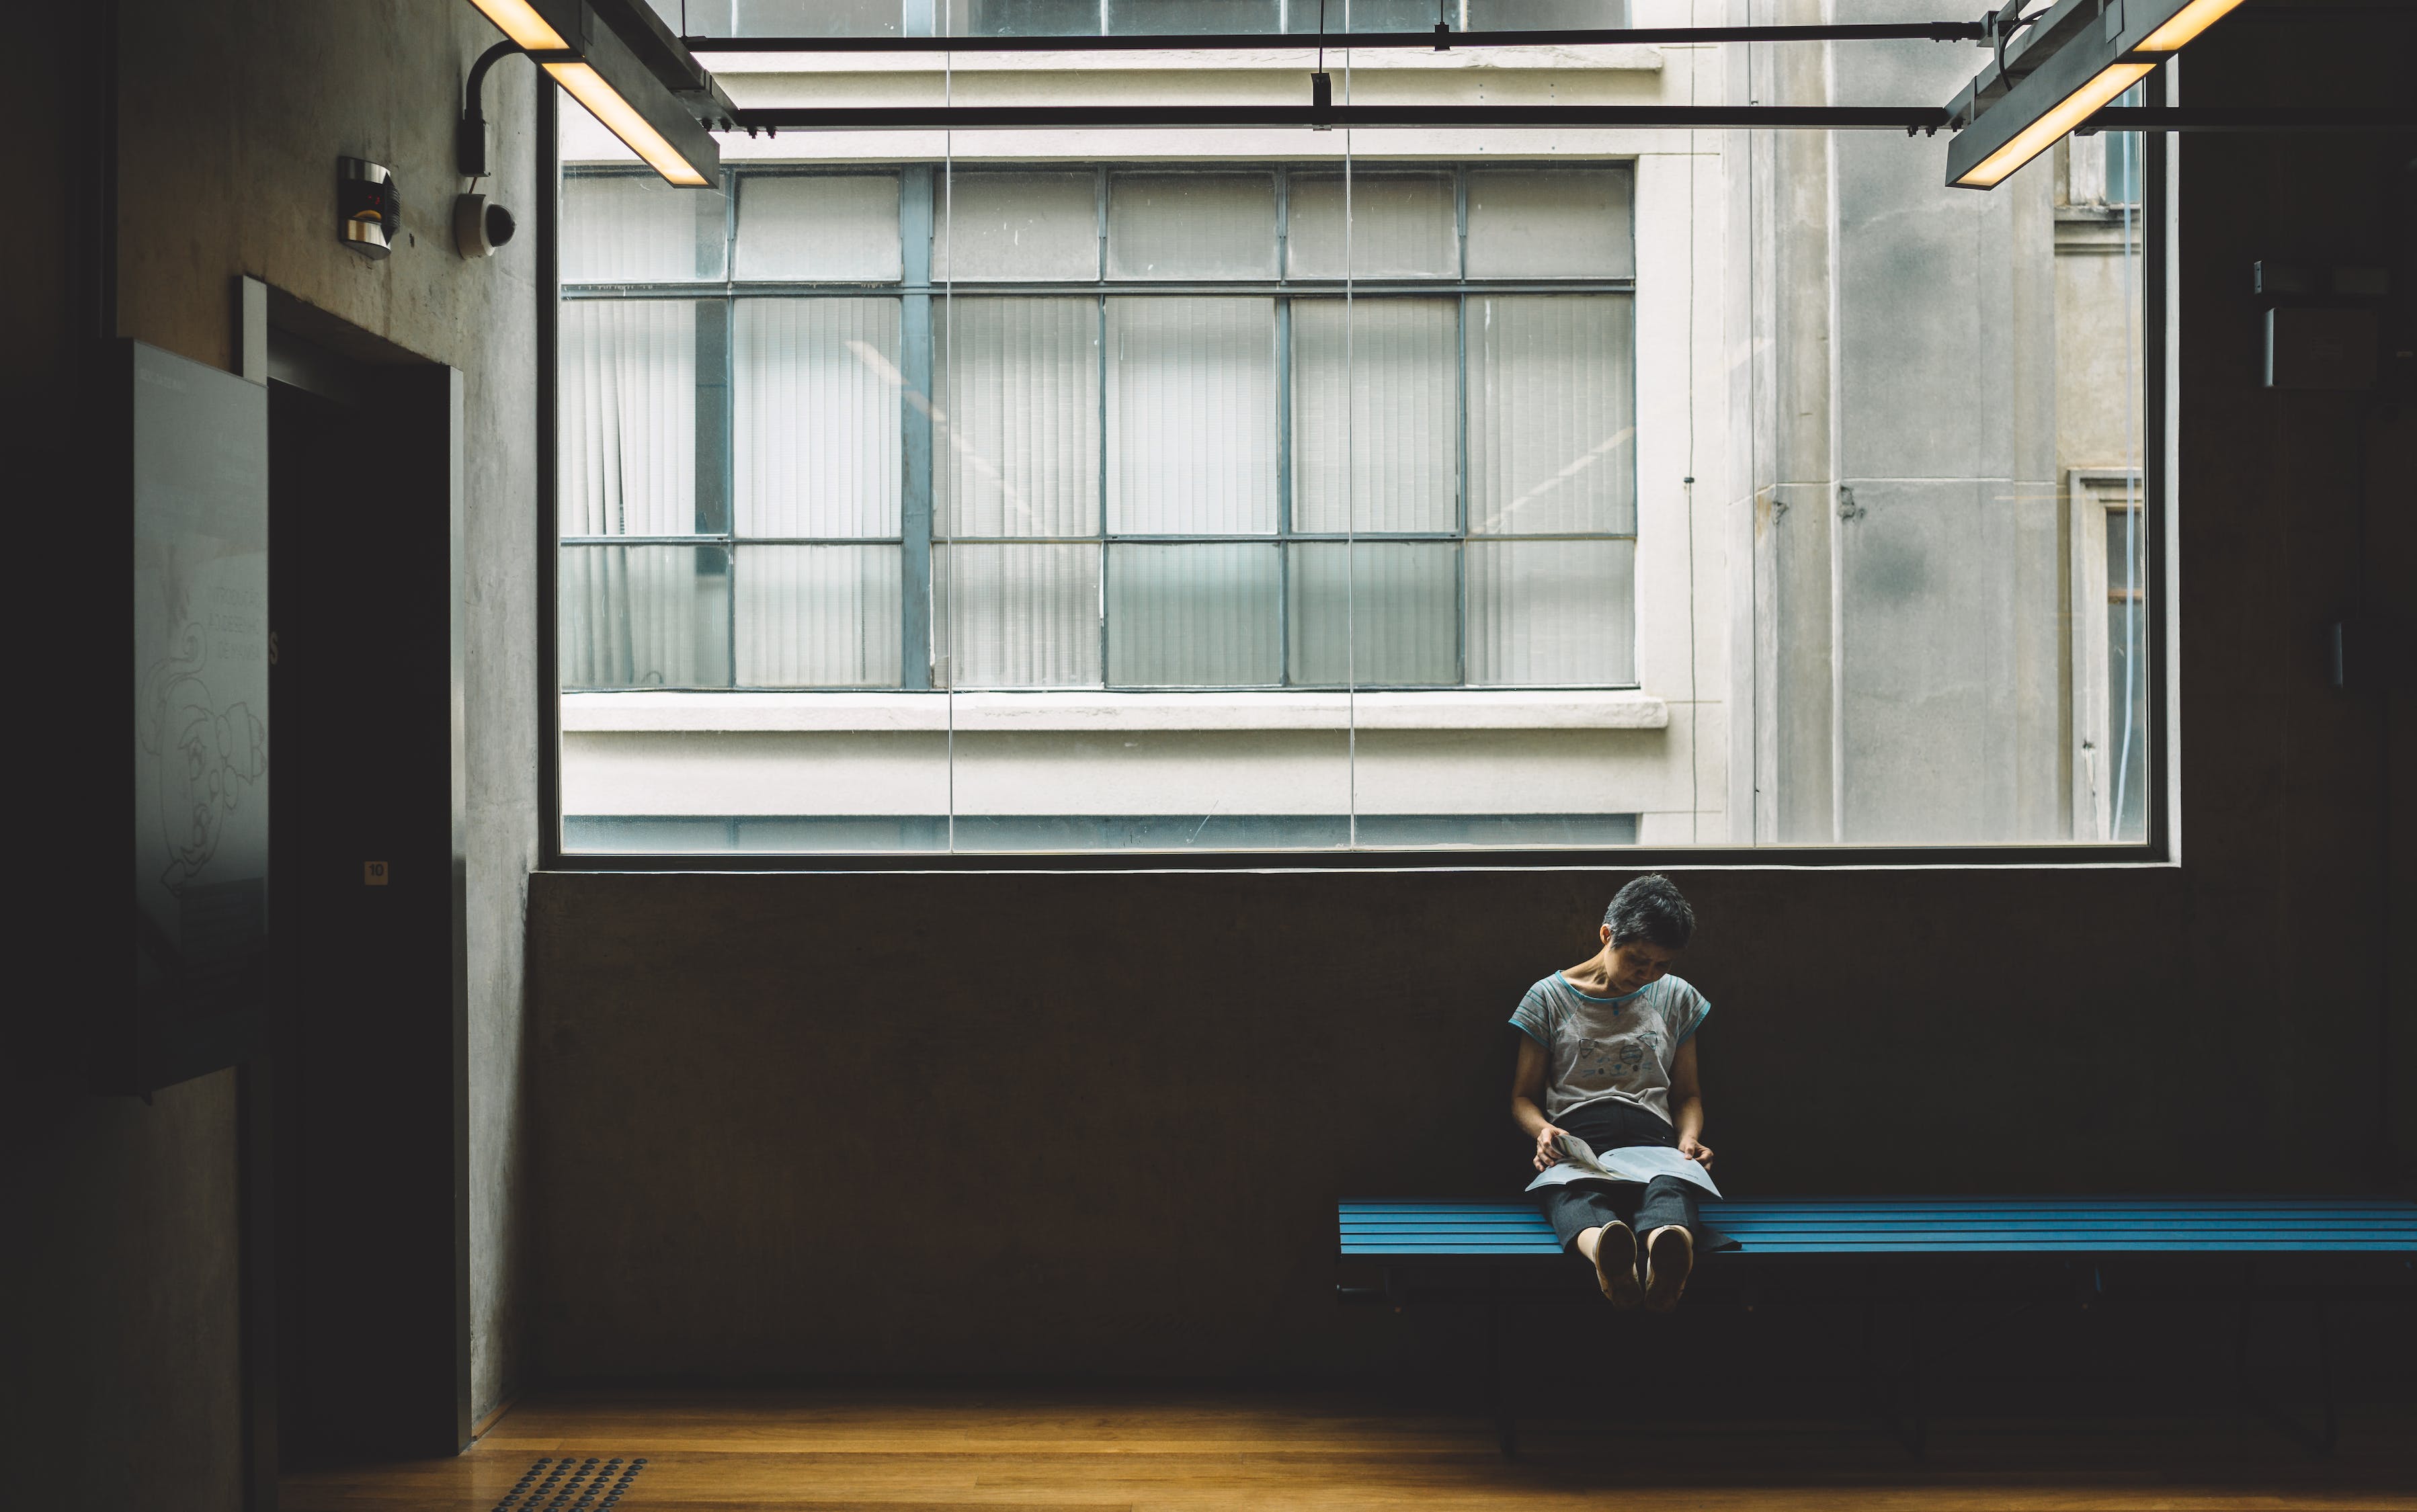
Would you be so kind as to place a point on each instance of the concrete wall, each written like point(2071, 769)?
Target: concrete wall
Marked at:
point(1895, 441)
point(122, 1350)
point(786, 1124)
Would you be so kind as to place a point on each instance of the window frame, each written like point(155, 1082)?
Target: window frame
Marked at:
point(2158, 849)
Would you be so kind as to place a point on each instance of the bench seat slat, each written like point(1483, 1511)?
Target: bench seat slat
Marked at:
point(2022, 1224)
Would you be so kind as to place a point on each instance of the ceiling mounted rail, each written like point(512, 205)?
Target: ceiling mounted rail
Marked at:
point(1909, 119)
point(1914, 31)
point(1047, 118)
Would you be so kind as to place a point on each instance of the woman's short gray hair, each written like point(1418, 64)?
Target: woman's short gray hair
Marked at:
point(1653, 910)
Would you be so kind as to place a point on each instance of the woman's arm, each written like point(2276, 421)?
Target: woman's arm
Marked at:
point(1687, 1104)
point(1527, 1103)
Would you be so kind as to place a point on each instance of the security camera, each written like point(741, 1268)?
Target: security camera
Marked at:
point(479, 228)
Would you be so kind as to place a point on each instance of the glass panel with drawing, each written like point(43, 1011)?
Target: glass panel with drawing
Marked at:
point(1330, 491)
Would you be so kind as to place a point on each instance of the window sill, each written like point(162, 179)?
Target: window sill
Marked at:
point(1002, 713)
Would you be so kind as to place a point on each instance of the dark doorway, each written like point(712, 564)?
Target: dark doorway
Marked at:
point(364, 1117)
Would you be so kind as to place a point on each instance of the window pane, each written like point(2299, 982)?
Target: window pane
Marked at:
point(1191, 416)
point(2127, 676)
point(818, 436)
point(1017, 440)
point(1375, 15)
point(627, 428)
point(1375, 613)
point(622, 228)
point(1401, 226)
point(819, 226)
point(1018, 617)
point(1552, 613)
point(1016, 226)
point(818, 616)
point(1550, 223)
point(783, 18)
point(1399, 374)
point(1552, 408)
point(1544, 15)
point(644, 616)
point(1192, 226)
point(1128, 18)
point(1024, 18)
point(1194, 616)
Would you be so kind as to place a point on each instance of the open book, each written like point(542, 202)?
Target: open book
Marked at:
point(1633, 1162)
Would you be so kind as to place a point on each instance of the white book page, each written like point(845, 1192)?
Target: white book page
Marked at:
point(1633, 1162)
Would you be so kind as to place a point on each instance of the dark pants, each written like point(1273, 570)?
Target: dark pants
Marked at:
point(1577, 1206)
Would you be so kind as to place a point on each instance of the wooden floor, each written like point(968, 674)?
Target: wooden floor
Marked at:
point(938, 1450)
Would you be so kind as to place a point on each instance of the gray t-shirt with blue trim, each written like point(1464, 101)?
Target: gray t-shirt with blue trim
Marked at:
point(1599, 1048)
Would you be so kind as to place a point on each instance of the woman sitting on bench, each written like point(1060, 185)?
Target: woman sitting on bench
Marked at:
point(1609, 1057)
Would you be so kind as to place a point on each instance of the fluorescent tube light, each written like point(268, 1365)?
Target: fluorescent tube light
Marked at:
point(520, 21)
point(618, 116)
point(2185, 24)
point(2059, 119)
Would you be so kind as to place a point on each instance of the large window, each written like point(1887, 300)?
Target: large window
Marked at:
point(1169, 445)
point(1242, 489)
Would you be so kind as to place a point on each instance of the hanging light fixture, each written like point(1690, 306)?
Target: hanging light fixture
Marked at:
point(594, 60)
point(2054, 70)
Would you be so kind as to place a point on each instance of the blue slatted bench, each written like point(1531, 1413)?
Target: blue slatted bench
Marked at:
point(2201, 1245)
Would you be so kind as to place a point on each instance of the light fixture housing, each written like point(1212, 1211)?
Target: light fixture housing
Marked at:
point(2067, 66)
point(597, 65)
point(524, 23)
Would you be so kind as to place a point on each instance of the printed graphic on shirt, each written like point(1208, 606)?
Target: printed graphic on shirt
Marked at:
point(1617, 1047)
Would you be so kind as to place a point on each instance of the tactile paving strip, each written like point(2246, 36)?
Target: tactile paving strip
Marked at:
point(567, 1485)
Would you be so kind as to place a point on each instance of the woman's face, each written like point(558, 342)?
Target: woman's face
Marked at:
point(1635, 964)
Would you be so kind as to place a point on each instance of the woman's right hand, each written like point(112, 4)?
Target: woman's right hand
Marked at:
point(1548, 1155)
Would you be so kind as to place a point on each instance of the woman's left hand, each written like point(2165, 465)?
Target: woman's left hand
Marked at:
point(1697, 1151)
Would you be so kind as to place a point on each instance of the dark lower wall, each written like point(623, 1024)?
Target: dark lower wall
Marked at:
point(120, 1222)
point(786, 1124)
point(120, 1359)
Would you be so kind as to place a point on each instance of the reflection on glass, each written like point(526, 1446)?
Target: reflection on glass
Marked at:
point(1544, 15)
point(2127, 681)
point(1024, 18)
point(1550, 223)
point(816, 616)
point(1552, 408)
point(819, 226)
point(1017, 436)
point(784, 17)
point(626, 427)
point(1016, 227)
point(1556, 613)
point(1191, 416)
point(1375, 613)
point(1200, 615)
point(1374, 415)
point(1133, 18)
point(1192, 226)
point(1018, 615)
point(1401, 226)
point(635, 228)
point(644, 616)
point(817, 411)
